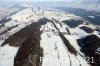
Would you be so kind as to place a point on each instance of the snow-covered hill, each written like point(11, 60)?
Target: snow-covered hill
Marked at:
point(37, 36)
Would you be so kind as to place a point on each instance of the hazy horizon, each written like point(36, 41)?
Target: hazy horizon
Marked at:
point(83, 4)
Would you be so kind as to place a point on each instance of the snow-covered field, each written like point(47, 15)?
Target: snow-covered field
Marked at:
point(54, 50)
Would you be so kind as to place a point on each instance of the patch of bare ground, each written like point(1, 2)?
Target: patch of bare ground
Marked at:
point(87, 29)
point(90, 46)
point(73, 23)
point(29, 52)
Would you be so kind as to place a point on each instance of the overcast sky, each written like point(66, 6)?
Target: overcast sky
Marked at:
point(38, 0)
point(30, 0)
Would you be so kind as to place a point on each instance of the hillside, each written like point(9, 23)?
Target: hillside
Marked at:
point(37, 36)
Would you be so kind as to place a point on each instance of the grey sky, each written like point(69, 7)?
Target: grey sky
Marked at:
point(38, 0)
point(50, 0)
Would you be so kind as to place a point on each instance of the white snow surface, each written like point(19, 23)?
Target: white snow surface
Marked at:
point(55, 51)
point(7, 54)
point(52, 44)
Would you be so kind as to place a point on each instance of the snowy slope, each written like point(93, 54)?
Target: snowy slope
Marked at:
point(58, 37)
